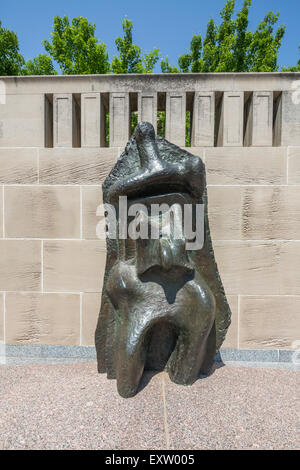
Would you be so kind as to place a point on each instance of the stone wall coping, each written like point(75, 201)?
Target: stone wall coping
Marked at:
point(248, 81)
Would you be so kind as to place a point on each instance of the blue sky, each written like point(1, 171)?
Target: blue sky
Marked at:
point(167, 24)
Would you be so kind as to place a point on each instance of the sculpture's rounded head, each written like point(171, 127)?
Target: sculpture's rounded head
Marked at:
point(144, 131)
point(150, 164)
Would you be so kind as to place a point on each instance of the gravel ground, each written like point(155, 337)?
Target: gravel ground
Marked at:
point(70, 406)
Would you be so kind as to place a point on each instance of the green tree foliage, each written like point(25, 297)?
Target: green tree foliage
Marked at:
point(161, 123)
point(166, 67)
point(40, 65)
point(130, 58)
point(265, 44)
point(227, 47)
point(11, 61)
point(243, 39)
point(75, 48)
point(295, 68)
point(231, 47)
point(209, 56)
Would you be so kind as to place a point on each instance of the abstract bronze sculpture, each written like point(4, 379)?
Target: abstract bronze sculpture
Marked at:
point(163, 304)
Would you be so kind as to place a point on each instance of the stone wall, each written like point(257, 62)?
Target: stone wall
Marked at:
point(53, 159)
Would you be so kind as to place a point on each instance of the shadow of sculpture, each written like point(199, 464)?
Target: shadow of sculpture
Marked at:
point(163, 304)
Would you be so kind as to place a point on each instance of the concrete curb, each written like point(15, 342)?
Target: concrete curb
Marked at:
point(239, 355)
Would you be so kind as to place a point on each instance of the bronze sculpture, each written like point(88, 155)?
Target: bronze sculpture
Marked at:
point(163, 303)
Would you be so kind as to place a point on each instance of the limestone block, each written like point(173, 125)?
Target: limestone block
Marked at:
point(42, 318)
point(74, 266)
point(90, 311)
point(247, 165)
point(22, 120)
point(92, 120)
point(176, 117)
point(259, 267)
point(254, 212)
point(1, 214)
point(147, 108)
point(63, 120)
point(197, 151)
point(259, 127)
point(119, 119)
point(249, 268)
point(231, 339)
point(20, 267)
point(289, 268)
point(269, 322)
point(290, 118)
point(203, 119)
point(224, 211)
point(294, 165)
point(42, 212)
point(145, 82)
point(91, 198)
point(18, 166)
point(231, 125)
point(271, 212)
point(1, 318)
point(76, 166)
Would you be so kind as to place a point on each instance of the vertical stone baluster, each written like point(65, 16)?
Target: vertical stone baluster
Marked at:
point(289, 117)
point(119, 119)
point(259, 128)
point(92, 120)
point(176, 117)
point(63, 120)
point(147, 108)
point(203, 119)
point(231, 126)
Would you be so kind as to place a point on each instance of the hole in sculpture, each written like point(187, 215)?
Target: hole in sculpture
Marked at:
point(161, 340)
